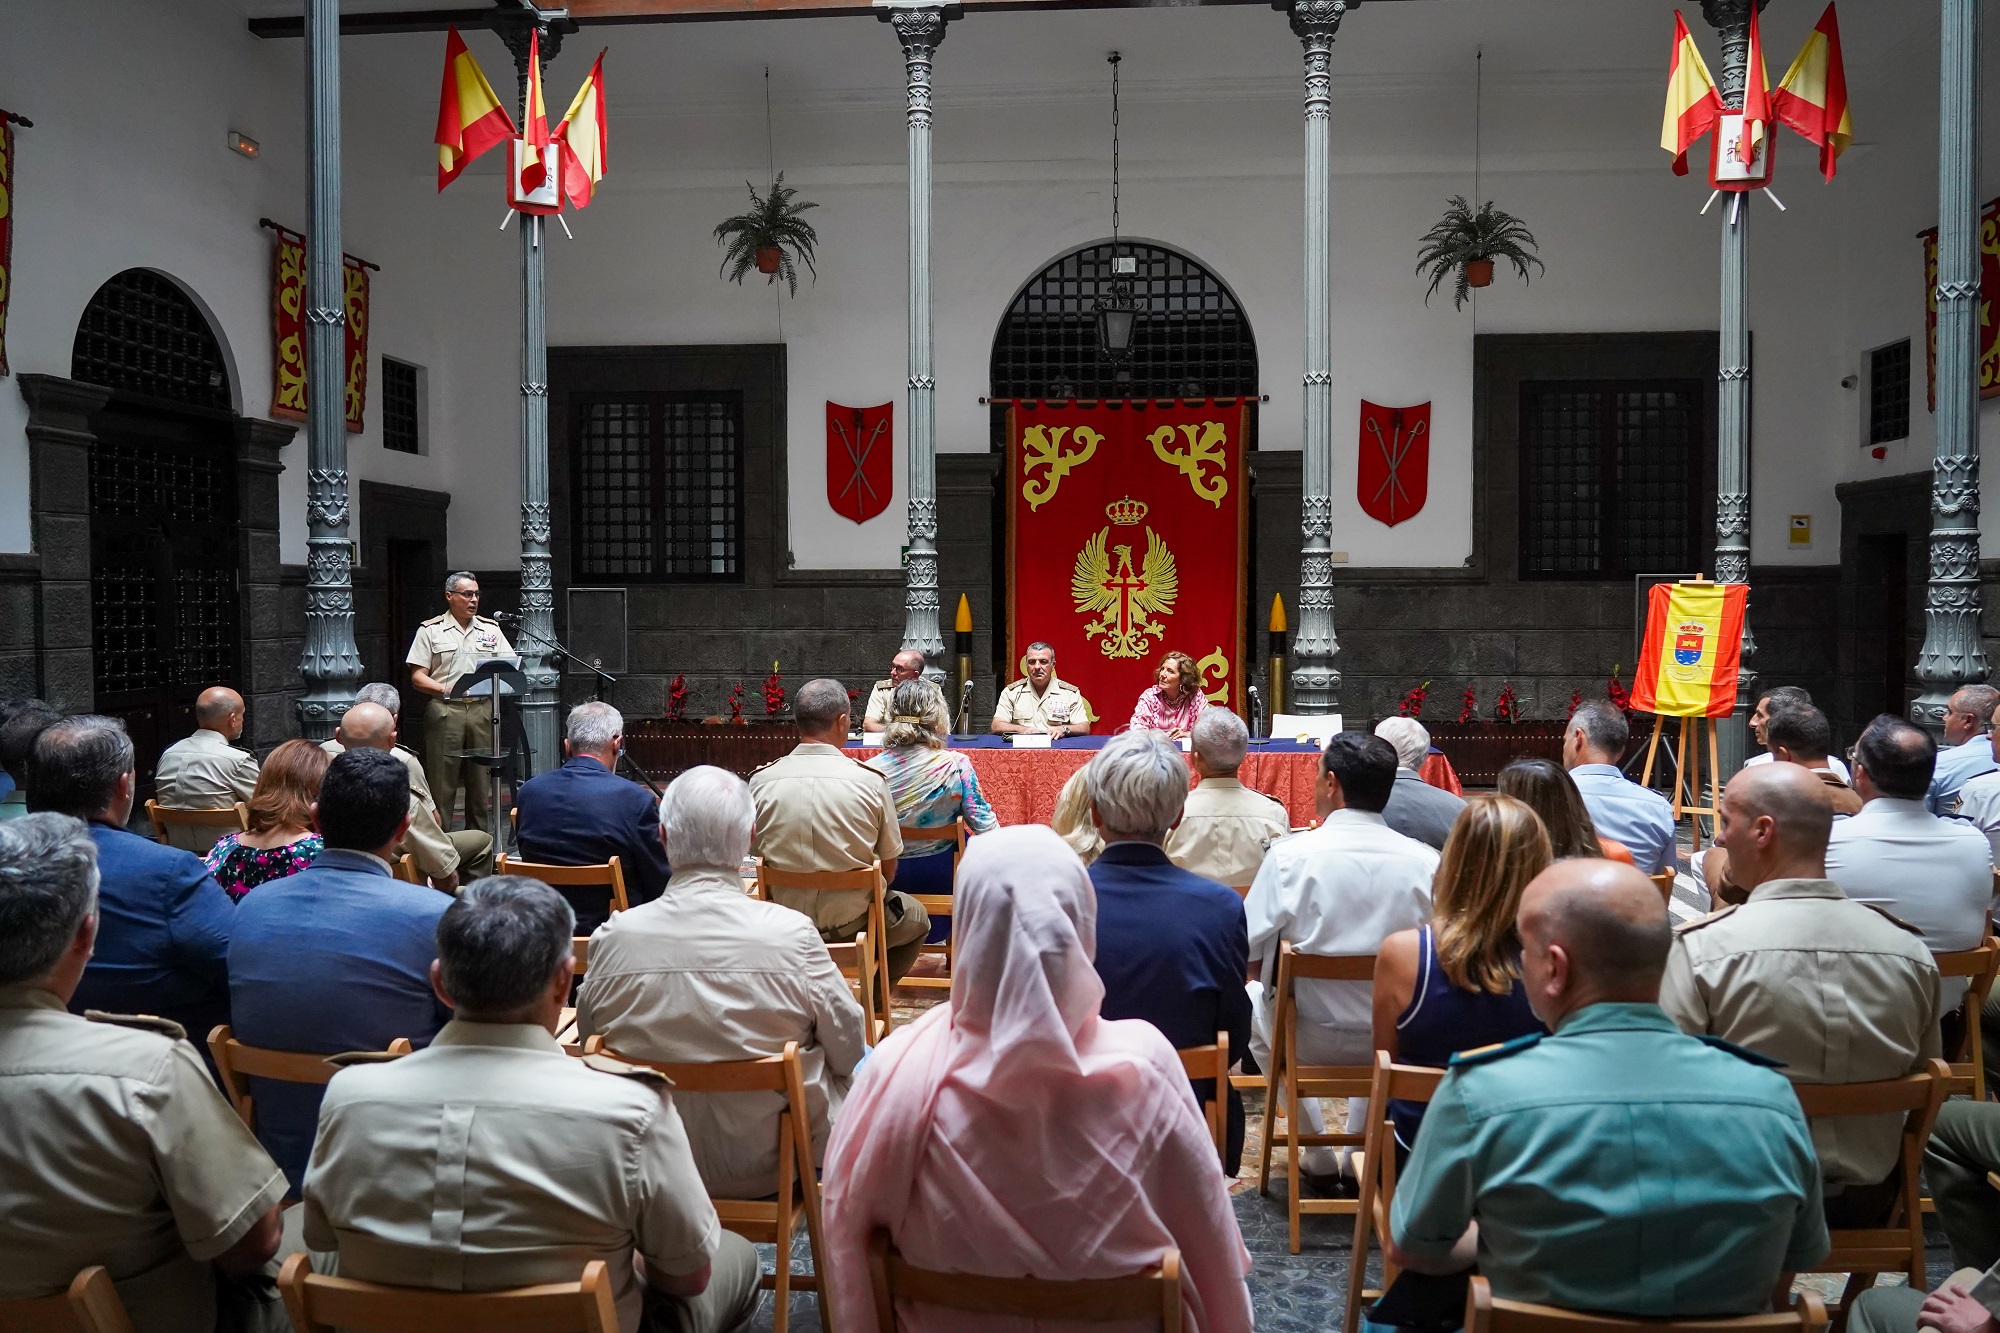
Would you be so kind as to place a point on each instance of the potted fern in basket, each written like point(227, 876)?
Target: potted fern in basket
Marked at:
point(772, 237)
point(1469, 242)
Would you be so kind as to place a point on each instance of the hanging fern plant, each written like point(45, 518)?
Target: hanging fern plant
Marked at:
point(1469, 242)
point(771, 238)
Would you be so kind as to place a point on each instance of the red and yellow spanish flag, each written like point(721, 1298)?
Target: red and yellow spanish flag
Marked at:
point(1812, 97)
point(583, 135)
point(1692, 651)
point(470, 117)
point(1692, 105)
point(535, 133)
point(1756, 96)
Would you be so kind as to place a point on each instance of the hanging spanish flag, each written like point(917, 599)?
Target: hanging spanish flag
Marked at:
point(1693, 650)
point(582, 138)
point(1812, 97)
point(534, 146)
point(471, 118)
point(1693, 108)
point(1756, 96)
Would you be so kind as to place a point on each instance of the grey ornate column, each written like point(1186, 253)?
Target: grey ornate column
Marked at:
point(920, 29)
point(1951, 654)
point(331, 665)
point(538, 605)
point(1315, 682)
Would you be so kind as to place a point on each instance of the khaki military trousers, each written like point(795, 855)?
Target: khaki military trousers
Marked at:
point(727, 1305)
point(451, 727)
point(908, 924)
point(475, 852)
point(1894, 1309)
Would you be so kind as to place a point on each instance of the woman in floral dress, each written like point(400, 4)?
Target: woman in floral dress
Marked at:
point(281, 840)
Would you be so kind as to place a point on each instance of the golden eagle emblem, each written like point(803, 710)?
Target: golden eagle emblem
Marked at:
point(1125, 603)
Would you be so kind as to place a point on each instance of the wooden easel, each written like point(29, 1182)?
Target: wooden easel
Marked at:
point(1687, 775)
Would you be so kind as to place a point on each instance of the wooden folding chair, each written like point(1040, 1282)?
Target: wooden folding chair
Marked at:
point(1154, 1294)
point(1407, 1083)
point(1968, 1056)
point(856, 962)
point(230, 819)
point(937, 904)
point(1862, 1253)
point(322, 1304)
point(1484, 1314)
point(236, 1062)
point(1301, 1081)
point(566, 1021)
point(867, 880)
point(609, 876)
point(405, 869)
point(1212, 1062)
point(1664, 882)
point(90, 1305)
point(772, 1221)
point(1242, 890)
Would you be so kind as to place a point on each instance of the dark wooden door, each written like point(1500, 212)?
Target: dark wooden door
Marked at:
point(1885, 647)
point(411, 592)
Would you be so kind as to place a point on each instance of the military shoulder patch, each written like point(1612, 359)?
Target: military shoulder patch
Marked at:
point(1740, 1052)
point(165, 1027)
point(1892, 918)
point(1480, 1055)
point(1709, 920)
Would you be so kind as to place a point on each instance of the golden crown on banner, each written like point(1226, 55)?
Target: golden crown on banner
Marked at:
point(1126, 512)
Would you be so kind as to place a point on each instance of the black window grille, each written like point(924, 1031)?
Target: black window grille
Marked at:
point(141, 334)
point(1889, 393)
point(659, 487)
point(402, 426)
point(1609, 478)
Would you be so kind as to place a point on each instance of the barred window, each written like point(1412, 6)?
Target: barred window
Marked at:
point(659, 487)
point(1609, 478)
point(1889, 393)
point(141, 334)
point(402, 407)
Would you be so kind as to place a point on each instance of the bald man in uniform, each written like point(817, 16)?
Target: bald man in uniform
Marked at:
point(206, 771)
point(444, 858)
point(905, 666)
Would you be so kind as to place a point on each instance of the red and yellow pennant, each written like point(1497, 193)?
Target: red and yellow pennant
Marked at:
point(1812, 97)
point(288, 343)
point(471, 118)
point(1693, 106)
point(583, 137)
point(1693, 650)
point(1988, 238)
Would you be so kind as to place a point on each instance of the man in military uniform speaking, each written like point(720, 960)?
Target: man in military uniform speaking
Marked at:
point(447, 649)
point(1038, 702)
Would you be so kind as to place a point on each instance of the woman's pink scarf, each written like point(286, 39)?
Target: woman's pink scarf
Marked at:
point(1013, 1132)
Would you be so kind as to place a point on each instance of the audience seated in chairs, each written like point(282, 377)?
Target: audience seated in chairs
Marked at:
point(115, 1146)
point(337, 957)
point(446, 857)
point(1075, 1134)
point(1800, 734)
point(1071, 819)
point(1964, 1150)
point(1551, 793)
point(817, 810)
point(1225, 828)
point(1839, 992)
point(206, 771)
point(1416, 809)
point(584, 813)
point(1638, 817)
point(565, 1160)
point(164, 923)
point(1565, 1166)
point(281, 840)
point(1341, 888)
point(1967, 751)
point(1455, 984)
point(20, 723)
point(931, 785)
point(706, 974)
point(1172, 947)
point(1771, 701)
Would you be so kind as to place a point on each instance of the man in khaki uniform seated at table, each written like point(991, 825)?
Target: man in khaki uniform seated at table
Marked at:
point(818, 809)
point(447, 859)
point(115, 1147)
point(206, 771)
point(447, 649)
point(905, 666)
point(490, 1159)
point(1038, 703)
point(1225, 827)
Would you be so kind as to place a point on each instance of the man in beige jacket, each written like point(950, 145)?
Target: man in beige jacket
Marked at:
point(206, 771)
point(1225, 827)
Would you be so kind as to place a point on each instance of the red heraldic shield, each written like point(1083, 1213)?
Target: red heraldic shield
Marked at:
point(860, 451)
point(1393, 480)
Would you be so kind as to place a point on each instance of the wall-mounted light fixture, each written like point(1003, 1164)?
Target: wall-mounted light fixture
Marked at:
point(240, 142)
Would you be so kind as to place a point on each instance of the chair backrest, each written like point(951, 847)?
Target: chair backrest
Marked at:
point(580, 944)
point(1325, 967)
point(609, 875)
point(406, 870)
point(233, 817)
point(954, 832)
point(1212, 1061)
point(90, 1305)
point(1485, 1314)
point(857, 964)
point(1917, 1096)
point(320, 1304)
point(1152, 1295)
point(236, 1062)
point(818, 881)
point(765, 1074)
point(1664, 882)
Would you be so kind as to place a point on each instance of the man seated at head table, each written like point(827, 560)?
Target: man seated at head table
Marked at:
point(584, 813)
point(205, 771)
point(115, 1146)
point(908, 665)
point(707, 973)
point(1039, 702)
point(1562, 1165)
point(566, 1160)
point(1225, 828)
point(445, 858)
point(1416, 809)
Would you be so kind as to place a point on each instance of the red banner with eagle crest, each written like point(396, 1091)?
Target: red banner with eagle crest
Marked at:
point(1126, 539)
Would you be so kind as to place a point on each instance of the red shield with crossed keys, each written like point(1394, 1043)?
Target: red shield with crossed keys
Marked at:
point(860, 453)
point(1394, 476)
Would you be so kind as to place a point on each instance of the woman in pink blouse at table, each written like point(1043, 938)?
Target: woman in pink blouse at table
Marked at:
point(1175, 702)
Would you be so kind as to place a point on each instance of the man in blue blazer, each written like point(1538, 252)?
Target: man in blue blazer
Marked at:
point(584, 814)
point(163, 923)
point(1172, 947)
point(337, 957)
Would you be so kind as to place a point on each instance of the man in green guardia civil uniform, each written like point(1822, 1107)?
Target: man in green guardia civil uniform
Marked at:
point(1565, 1166)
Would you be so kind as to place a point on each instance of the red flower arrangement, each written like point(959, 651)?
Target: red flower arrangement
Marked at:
point(1507, 708)
point(677, 699)
point(1412, 704)
point(1575, 702)
point(1620, 697)
point(736, 702)
point(774, 693)
point(1469, 708)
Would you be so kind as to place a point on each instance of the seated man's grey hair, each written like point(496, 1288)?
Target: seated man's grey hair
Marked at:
point(383, 693)
point(924, 701)
point(1039, 647)
point(1221, 739)
point(1604, 727)
point(591, 726)
point(819, 703)
point(1979, 701)
point(706, 817)
point(48, 885)
point(76, 764)
point(1412, 741)
point(500, 942)
point(1139, 782)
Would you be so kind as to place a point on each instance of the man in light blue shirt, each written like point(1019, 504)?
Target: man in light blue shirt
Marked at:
point(1968, 745)
point(1621, 809)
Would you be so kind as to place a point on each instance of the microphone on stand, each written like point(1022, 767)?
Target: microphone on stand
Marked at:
point(505, 615)
point(965, 708)
point(1256, 707)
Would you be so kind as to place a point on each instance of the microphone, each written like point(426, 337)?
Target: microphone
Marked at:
point(505, 615)
point(1256, 703)
point(965, 706)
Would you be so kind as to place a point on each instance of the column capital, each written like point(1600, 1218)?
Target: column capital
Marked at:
point(1723, 15)
point(919, 24)
point(514, 27)
point(1315, 20)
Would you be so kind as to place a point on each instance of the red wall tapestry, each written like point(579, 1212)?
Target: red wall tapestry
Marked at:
point(1393, 479)
point(288, 342)
point(860, 459)
point(1126, 538)
point(1988, 238)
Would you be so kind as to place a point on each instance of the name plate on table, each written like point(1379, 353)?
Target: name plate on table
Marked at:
point(1318, 729)
point(1031, 740)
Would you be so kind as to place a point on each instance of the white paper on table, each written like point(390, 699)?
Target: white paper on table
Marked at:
point(1186, 743)
point(876, 738)
point(1031, 740)
point(1318, 729)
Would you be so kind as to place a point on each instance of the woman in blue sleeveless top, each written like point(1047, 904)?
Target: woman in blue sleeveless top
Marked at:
point(1455, 984)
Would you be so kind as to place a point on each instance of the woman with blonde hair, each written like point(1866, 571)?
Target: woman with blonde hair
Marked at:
point(280, 840)
point(931, 785)
point(1456, 984)
point(1072, 821)
point(1174, 701)
point(1552, 794)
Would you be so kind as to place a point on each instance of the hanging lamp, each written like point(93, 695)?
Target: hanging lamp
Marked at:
point(1118, 309)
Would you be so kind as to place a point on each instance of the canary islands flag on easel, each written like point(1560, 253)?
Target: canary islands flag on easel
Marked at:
point(1692, 651)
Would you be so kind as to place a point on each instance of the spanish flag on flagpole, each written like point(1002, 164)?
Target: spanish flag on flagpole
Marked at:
point(1693, 650)
point(1693, 108)
point(1756, 95)
point(1812, 97)
point(583, 135)
point(470, 117)
point(535, 133)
